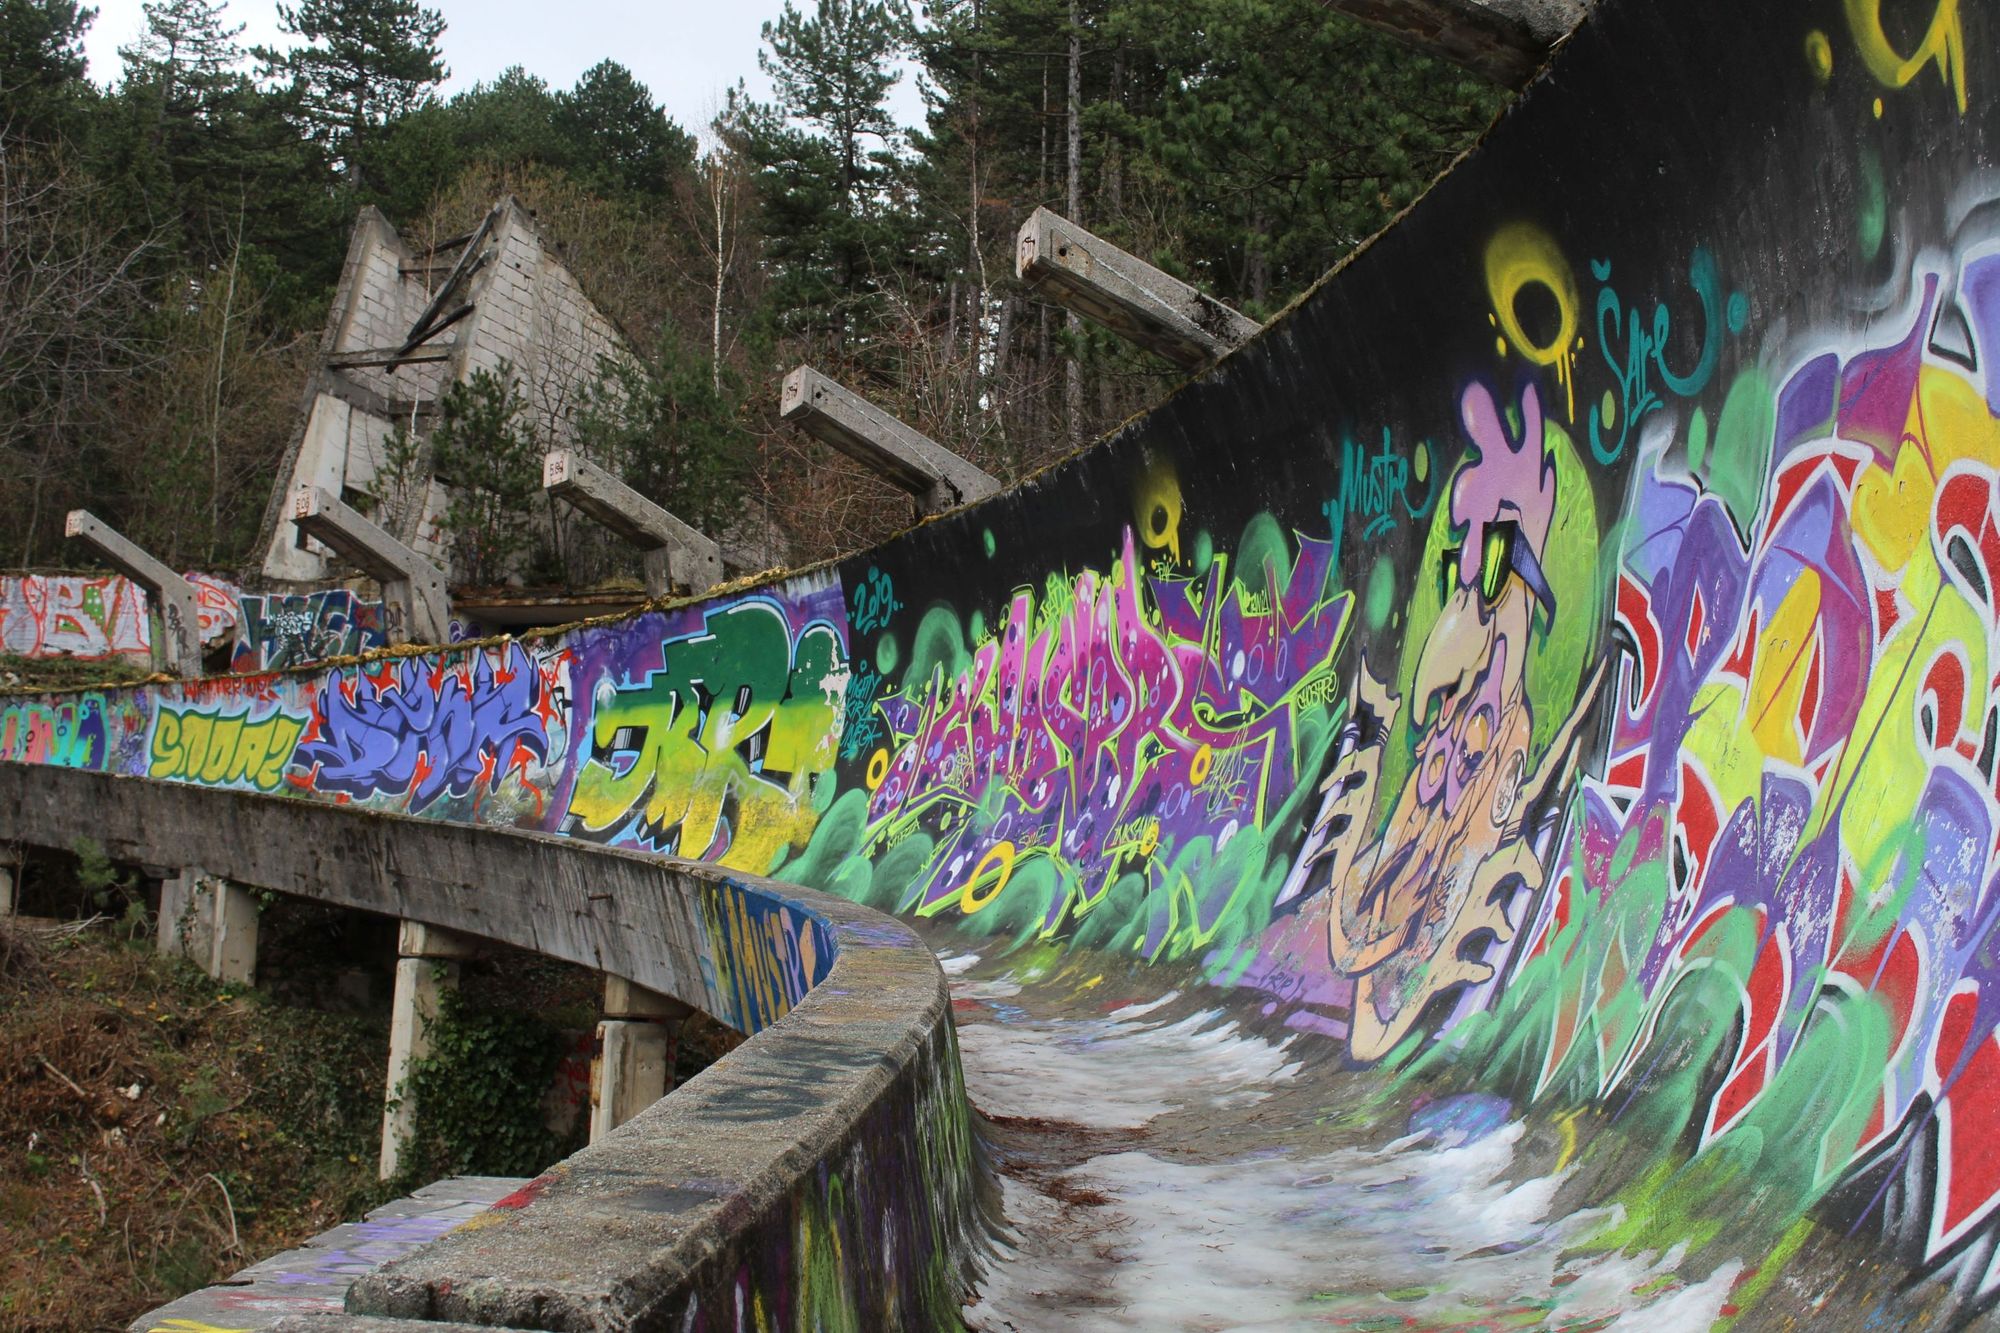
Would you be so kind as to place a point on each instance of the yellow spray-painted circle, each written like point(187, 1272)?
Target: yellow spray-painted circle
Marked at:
point(1819, 55)
point(999, 862)
point(1522, 256)
point(1149, 841)
point(878, 768)
point(1204, 759)
point(1156, 505)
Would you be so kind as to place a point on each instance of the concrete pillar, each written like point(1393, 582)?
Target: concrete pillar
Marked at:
point(186, 927)
point(415, 607)
point(211, 923)
point(898, 453)
point(9, 888)
point(635, 1053)
point(426, 967)
point(1085, 273)
point(674, 552)
point(233, 955)
point(176, 642)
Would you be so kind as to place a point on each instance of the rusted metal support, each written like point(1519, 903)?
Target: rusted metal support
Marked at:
point(674, 552)
point(939, 478)
point(1066, 264)
point(413, 593)
point(176, 640)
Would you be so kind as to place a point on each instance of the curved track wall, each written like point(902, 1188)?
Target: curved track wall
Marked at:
point(823, 1173)
point(1573, 632)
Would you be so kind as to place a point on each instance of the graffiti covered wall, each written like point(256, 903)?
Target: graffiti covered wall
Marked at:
point(1562, 655)
point(94, 617)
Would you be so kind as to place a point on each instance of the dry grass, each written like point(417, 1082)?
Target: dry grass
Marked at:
point(158, 1132)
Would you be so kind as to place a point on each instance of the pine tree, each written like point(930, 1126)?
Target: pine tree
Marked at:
point(187, 56)
point(827, 153)
point(42, 87)
point(363, 63)
point(620, 140)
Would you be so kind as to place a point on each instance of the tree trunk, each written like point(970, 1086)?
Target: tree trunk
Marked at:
point(1073, 204)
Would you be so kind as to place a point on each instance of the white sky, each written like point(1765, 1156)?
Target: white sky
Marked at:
point(687, 51)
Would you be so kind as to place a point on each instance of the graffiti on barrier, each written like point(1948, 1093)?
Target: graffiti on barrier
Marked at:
point(714, 752)
point(287, 630)
point(93, 617)
point(223, 749)
point(420, 730)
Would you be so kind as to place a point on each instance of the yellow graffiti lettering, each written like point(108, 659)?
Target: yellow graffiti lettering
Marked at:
point(233, 750)
point(1943, 44)
point(1522, 256)
point(1784, 659)
point(167, 743)
point(681, 769)
point(1892, 510)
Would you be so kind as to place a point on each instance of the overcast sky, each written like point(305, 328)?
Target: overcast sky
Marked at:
point(687, 51)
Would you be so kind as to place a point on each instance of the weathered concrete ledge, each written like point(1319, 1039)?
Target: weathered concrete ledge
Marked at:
point(824, 1172)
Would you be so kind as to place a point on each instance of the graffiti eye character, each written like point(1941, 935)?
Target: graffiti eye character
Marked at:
point(1496, 561)
point(1501, 553)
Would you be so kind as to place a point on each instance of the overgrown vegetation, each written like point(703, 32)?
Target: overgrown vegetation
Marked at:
point(493, 464)
point(158, 1131)
point(168, 243)
point(478, 1094)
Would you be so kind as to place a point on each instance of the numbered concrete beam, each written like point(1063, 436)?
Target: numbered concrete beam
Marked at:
point(1066, 264)
point(413, 592)
point(674, 552)
point(177, 642)
point(939, 478)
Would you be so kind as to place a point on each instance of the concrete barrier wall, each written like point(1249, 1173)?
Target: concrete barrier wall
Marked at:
point(772, 1179)
point(1571, 632)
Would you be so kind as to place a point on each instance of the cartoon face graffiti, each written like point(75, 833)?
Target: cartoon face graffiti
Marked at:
point(1412, 915)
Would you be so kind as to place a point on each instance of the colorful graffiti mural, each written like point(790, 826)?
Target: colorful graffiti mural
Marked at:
point(1584, 688)
point(711, 742)
point(94, 617)
point(276, 631)
point(419, 730)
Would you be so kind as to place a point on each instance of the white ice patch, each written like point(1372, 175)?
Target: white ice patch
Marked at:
point(1425, 1235)
point(1110, 1072)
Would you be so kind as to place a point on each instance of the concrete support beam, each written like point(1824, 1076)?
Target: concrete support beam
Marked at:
point(10, 887)
point(427, 967)
point(1504, 40)
point(908, 458)
point(413, 591)
point(674, 552)
point(635, 1053)
point(211, 923)
point(176, 640)
point(1066, 264)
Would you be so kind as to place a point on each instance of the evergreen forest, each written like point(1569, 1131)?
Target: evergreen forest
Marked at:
point(171, 231)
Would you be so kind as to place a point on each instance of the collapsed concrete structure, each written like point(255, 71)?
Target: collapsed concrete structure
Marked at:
point(405, 324)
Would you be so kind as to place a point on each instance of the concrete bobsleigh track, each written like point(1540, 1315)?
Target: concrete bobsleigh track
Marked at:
point(1481, 812)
